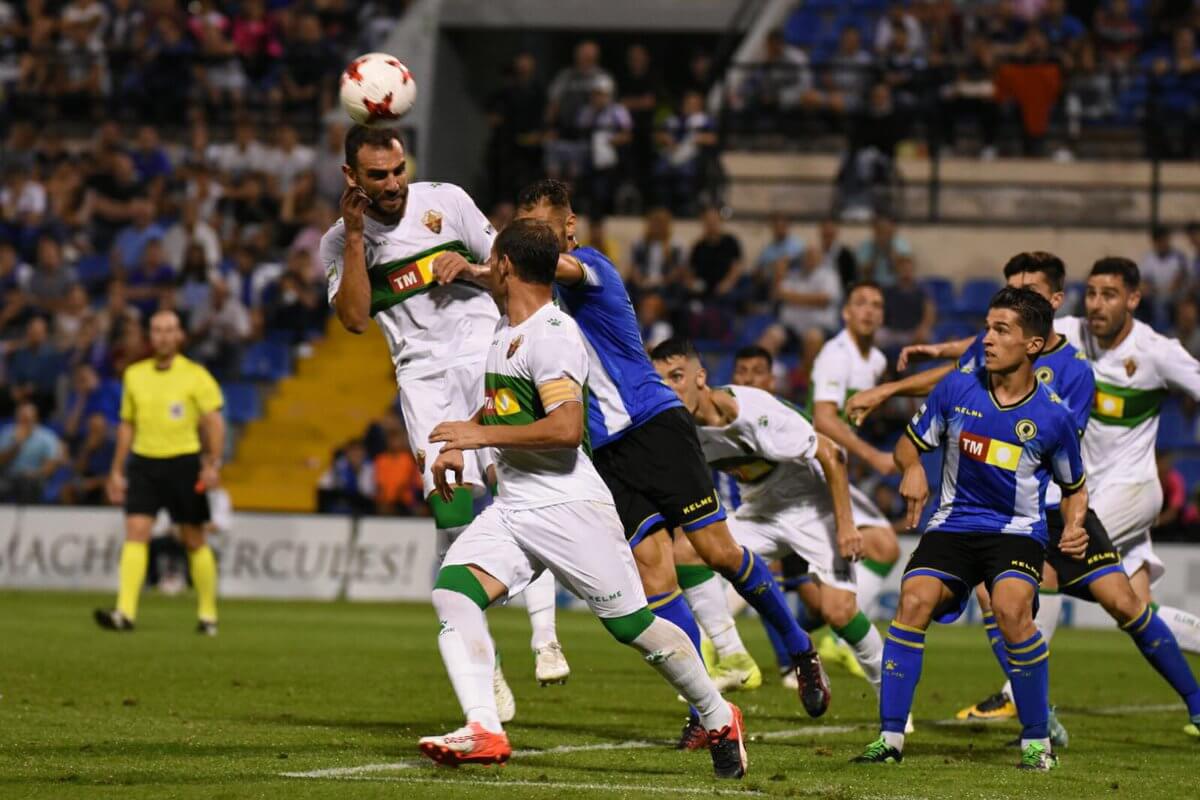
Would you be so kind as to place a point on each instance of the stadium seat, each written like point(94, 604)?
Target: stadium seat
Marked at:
point(940, 291)
point(52, 489)
point(753, 327)
point(92, 270)
point(952, 331)
point(242, 402)
point(1189, 468)
point(1175, 429)
point(974, 297)
point(266, 361)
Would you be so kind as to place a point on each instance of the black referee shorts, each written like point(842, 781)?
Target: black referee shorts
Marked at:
point(964, 560)
point(170, 483)
point(1076, 575)
point(659, 477)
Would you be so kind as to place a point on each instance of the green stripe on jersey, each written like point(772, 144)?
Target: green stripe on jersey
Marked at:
point(1125, 406)
point(510, 400)
point(395, 281)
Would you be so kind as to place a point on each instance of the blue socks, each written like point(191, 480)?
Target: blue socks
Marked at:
point(1161, 649)
point(996, 641)
point(903, 652)
point(754, 582)
point(1029, 671)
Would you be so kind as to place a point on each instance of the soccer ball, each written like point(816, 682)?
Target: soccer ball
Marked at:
point(377, 90)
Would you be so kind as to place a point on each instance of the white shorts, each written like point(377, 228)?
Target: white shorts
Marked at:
point(1142, 555)
point(582, 542)
point(866, 513)
point(430, 400)
point(809, 532)
point(1128, 511)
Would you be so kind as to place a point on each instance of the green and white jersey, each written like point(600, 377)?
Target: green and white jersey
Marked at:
point(429, 327)
point(532, 369)
point(841, 369)
point(1132, 379)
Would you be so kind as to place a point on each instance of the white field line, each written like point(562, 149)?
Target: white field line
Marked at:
point(500, 783)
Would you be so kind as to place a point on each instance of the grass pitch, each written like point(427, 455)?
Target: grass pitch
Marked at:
point(305, 700)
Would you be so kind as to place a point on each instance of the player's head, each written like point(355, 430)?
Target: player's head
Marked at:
point(752, 366)
point(527, 252)
point(679, 365)
point(863, 309)
point(166, 334)
point(1043, 272)
point(549, 200)
point(375, 163)
point(1019, 321)
point(1112, 295)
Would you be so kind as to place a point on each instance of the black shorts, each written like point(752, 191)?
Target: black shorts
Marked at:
point(659, 477)
point(795, 572)
point(1075, 575)
point(964, 560)
point(170, 483)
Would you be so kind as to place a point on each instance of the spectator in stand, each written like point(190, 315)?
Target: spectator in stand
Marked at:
point(111, 190)
point(516, 114)
point(288, 159)
point(1177, 511)
point(398, 486)
point(296, 207)
point(1187, 325)
point(90, 16)
point(1165, 276)
point(256, 40)
point(869, 165)
point(51, 279)
point(699, 77)
point(848, 74)
point(566, 152)
point(909, 314)
point(1193, 236)
point(1117, 36)
point(150, 158)
point(34, 368)
point(153, 278)
point(74, 311)
point(328, 160)
point(348, 486)
point(294, 304)
point(809, 294)
point(309, 62)
point(165, 79)
point(897, 20)
point(654, 319)
point(195, 282)
point(82, 77)
point(687, 142)
point(244, 154)
point(91, 462)
point(972, 94)
point(219, 72)
point(123, 34)
point(132, 240)
point(219, 330)
point(249, 279)
point(1033, 84)
point(783, 249)
point(596, 237)
point(608, 128)
point(877, 256)
point(1064, 32)
point(657, 261)
point(129, 345)
point(23, 200)
point(641, 92)
point(716, 260)
point(1004, 28)
point(29, 455)
point(780, 81)
point(904, 70)
point(89, 395)
point(836, 255)
point(118, 312)
point(1173, 111)
point(190, 229)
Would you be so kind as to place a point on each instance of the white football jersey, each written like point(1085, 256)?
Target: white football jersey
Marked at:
point(841, 369)
point(1132, 379)
point(531, 370)
point(428, 327)
point(770, 449)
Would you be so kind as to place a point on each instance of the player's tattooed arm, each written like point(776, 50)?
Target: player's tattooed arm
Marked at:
point(833, 463)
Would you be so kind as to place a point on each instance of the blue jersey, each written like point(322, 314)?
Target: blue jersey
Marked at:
point(625, 390)
point(997, 460)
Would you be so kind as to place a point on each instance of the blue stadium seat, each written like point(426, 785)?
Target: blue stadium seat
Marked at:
point(974, 297)
point(242, 402)
point(752, 328)
point(1189, 468)
point(52, 488)
point(952, 331)
point(941, 291)
point(1175, 429)
point(92, 270)
point(266, 361)
point(720, 370)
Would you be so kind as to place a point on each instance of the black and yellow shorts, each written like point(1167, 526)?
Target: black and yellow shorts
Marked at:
point(963, 560)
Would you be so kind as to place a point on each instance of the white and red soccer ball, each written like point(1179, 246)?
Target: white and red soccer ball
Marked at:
point(377, 90)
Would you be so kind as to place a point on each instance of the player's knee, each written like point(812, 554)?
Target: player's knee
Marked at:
point(914, 609)
point(1119, 600)
point(1014, 617)
point(838, 608)
point(720, 552)
point(883, 547)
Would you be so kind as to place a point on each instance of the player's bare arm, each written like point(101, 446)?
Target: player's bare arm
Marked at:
point(1074, 506)
point(451, 266)
point(117, 484)
point(862, 404)
point(914, 485)
point(923, 352)
point(212, 436)
point(353, 300)
point(562, 429)
point(833, 462)
point(828, 423)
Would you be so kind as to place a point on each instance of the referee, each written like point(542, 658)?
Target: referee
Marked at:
point(169, 404)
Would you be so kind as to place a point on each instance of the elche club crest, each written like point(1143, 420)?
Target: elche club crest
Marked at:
point(432, 220)
point(514, 345)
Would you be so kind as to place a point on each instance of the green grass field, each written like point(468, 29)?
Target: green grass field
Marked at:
point(307, 688)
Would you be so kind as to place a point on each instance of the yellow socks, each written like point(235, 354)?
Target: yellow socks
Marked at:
point(134, 558)
point(204, 578)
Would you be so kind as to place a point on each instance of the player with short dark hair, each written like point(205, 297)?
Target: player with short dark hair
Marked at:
point(1004, 436)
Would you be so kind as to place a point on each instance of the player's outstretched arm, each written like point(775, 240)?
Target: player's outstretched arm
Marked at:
point(914, 486)
point(833, 463)
point(827, 422)
point(116, 475)
point(561, 429)
point(353, 300)
point(862, 404)
point(922, 352)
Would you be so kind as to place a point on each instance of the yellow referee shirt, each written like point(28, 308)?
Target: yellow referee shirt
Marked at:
point(165, 405)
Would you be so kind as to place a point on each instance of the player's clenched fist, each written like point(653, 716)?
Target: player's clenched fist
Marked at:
point(448, 462)
point(1074, 541)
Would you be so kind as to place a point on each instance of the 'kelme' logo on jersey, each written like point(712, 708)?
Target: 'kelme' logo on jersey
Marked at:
point(987, 450)
point(432, 220)
point(763, 421)
point(1044, 374)
point(1026, 429)
point(406, 278)
point(514, 345)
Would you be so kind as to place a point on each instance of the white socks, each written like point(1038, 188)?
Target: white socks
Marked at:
point(539, 602)
point(1184, 625)
point(895, 740)
point(667, 648)
point(1049, 612)
point(469, 656)
point(868, 652)
point(868, 585)
point(707, 601)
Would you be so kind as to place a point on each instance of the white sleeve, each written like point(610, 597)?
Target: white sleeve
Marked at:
point(782, 433)
point(330, 252)
point(558, 362)
point(477, 232)
point(1177, 367)
point(829, 378)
